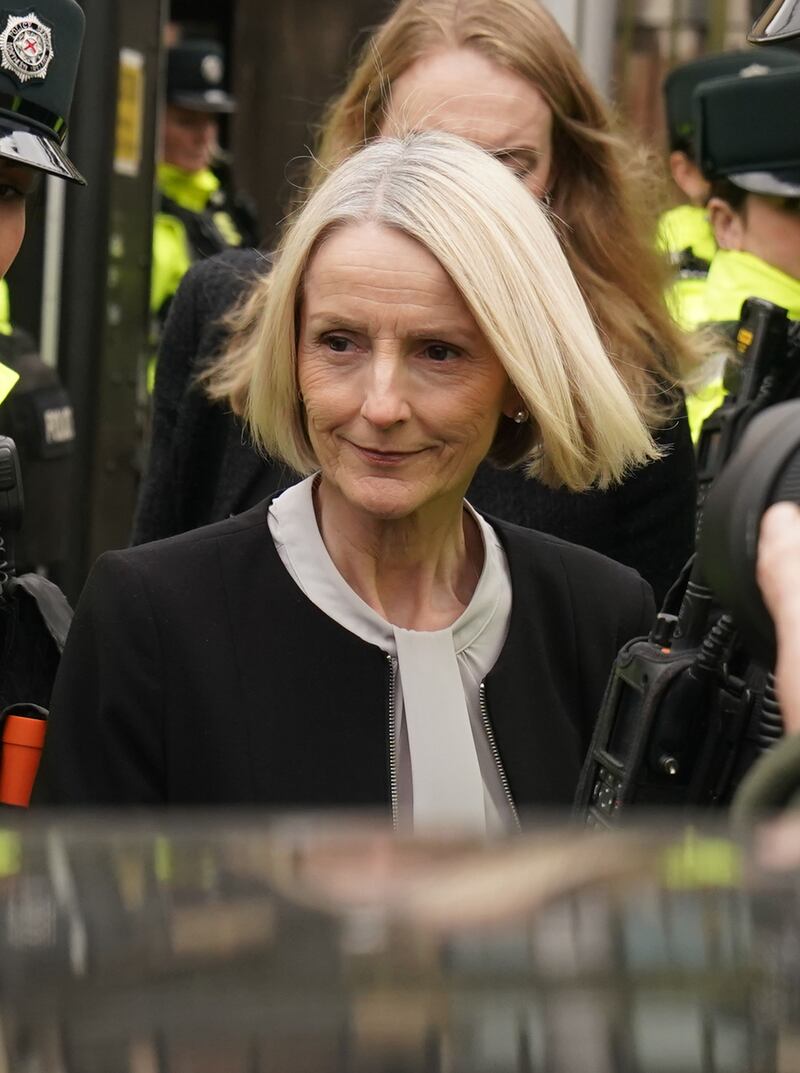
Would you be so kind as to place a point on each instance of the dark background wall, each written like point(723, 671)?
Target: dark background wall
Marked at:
point(289, 58)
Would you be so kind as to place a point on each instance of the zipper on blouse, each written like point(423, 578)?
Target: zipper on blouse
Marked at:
point(487, 726)
point(392, 743)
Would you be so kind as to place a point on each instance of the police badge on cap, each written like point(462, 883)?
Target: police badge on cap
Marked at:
point(40, 46)
point(196, 77)
point(26, 47)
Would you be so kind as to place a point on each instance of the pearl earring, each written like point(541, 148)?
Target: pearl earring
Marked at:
point(521, 416)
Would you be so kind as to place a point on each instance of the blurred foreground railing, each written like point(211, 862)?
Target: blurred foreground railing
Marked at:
point(331, 947)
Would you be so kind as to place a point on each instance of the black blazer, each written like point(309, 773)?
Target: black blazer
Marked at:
point(197, 672)
point(201, 468)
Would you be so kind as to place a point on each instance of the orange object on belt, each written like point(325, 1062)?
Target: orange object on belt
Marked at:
point(22, 744)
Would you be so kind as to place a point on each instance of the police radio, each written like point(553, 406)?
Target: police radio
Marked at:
point(673, 717)
point(689, 708)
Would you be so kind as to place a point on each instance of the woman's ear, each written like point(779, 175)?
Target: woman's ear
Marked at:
point(726, 223)
point(513, 404)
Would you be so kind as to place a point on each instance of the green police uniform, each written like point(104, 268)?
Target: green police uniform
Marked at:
point(684, 233)
point(764, 161)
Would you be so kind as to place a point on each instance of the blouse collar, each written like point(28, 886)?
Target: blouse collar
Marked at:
point(316, 574)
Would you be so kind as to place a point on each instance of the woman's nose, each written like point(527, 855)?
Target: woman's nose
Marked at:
point(385, 395)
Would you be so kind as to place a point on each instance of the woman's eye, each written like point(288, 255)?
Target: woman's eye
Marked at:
point(337, 343)
point(519, 167)
point(521, 164)
point(440, 351)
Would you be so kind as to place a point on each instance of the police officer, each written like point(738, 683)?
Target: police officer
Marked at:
point(38, 63)
point(750, 155)
point(39, 51)
point(40, 45)
point(196, 217)
point(685, 233)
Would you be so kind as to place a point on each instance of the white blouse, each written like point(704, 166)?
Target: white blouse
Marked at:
point(447, 775)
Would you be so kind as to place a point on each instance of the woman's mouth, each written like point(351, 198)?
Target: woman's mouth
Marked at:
point(385, 458)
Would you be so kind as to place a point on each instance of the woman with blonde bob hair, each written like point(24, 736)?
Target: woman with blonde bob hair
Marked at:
point(502, 74)
point(366, 637)
point(583, 429)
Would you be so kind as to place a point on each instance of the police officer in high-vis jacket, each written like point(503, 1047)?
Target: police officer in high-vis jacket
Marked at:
point(748, 147)
point(39, 50)
point(685, 233)
point(196, 216)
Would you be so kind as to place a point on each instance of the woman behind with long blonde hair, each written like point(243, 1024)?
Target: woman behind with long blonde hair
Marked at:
point(502, 73)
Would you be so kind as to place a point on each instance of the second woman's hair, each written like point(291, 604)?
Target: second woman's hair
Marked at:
point(495, 242)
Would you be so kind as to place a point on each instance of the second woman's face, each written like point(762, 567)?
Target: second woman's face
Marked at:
point(460, 91)
point(401, 390)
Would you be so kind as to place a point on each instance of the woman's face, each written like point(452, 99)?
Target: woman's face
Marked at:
point(17, 183)
point(401, 390)
point(460, 91)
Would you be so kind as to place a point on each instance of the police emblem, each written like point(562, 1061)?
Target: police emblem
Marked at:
point(26, 47)
point(211, 69)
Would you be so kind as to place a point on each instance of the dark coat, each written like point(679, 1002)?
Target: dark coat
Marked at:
point(197, 673)
point(201, 469)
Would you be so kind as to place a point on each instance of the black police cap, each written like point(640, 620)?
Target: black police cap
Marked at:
point(40, 45)
point(779, 23)
point(680, 84)
point(196, 77)
point(743, 133)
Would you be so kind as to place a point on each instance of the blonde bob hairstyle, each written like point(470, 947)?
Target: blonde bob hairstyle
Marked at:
point(495, 242)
